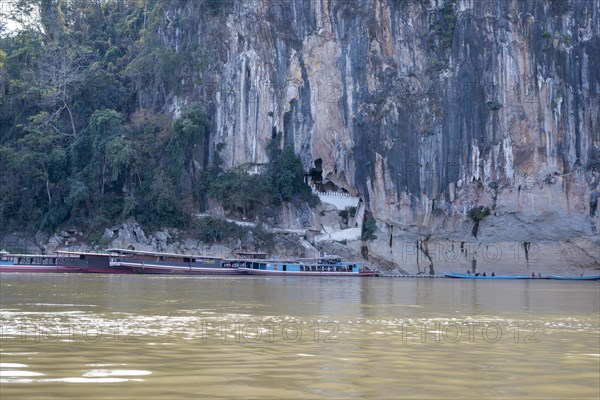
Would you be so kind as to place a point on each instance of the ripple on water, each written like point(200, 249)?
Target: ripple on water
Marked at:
point(16, 380)
point(90, 380)
point(104, 365)
point(12, 365)
point(115, 372)
point(18, 373)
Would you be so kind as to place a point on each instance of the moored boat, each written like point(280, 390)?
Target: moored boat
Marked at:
point(469, 276)
point(33, 263)
point(146, 262)
point(575, 278)
point(88, 262)
point(323, 266)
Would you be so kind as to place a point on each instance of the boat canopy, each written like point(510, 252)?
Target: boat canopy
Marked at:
point(125, 252)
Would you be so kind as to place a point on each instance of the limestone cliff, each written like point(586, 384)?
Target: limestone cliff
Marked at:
point(471, 129)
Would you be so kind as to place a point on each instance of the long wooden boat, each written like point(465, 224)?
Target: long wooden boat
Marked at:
point(469, 276)
point(98, 263)
point(575, 278)
point(33, 263)
point(146, 262)
point(324, 266)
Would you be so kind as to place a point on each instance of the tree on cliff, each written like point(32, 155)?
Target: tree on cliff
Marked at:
point(288, 175)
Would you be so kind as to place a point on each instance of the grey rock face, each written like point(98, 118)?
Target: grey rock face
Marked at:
point(426, 110)
point(107, 236)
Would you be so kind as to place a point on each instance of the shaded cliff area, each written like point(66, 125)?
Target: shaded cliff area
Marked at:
point(469, 129)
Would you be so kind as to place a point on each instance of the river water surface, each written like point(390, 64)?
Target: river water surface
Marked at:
point(71, 336)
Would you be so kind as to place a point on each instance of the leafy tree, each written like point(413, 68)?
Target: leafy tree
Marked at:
point(239, 191)
point(288, 178)
point(98, 89)
point(188, 132)
point(369, 228)
point(103, 151)
point(162, 206)
point(2, 72)
point(41, 154)
point(82, 137)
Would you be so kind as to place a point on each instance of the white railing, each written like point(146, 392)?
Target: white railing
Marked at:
point(337, 194)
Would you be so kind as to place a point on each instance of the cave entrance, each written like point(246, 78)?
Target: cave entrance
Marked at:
point(315, 174)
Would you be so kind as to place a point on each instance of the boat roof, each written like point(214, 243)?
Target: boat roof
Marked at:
point(159, 254)
point(83, 253)
point(29, 255)
point(264, 260)
point(252, 254)
point(329, 257)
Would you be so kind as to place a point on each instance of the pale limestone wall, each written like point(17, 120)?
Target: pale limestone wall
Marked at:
point(344, 234)
point(426, 110)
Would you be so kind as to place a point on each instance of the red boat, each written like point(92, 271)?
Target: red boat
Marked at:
point(88, 262)
point(147, 262)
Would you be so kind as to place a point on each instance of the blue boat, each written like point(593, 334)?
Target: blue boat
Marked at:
point(258, 264)
point(469, 276)
point(575, 278)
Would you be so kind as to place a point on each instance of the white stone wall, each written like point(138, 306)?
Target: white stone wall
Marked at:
point(338, 199)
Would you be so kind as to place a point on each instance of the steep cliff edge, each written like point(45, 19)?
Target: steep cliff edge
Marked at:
point(427, 111)
point(470, 130)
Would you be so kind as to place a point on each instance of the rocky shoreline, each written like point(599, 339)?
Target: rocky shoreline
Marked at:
point(570, 256)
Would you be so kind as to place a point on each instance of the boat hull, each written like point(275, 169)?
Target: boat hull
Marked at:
point(157, 269)
point(251, 271)
point(39, 269)
point(92, 263)
point(575, 278)
point(107, 270)
point(466, 276)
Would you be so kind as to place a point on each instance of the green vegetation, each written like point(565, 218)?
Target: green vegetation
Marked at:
point(594, 160)
point(248, 194)
point(210, 230)
point(346, 214)
point(442, 26)
point(369, 228)
point(83, 138)
point(218, 230)
point(547, 40)
point(494, 105)
point(239, 191)
point(477, 214)
point(493, 185)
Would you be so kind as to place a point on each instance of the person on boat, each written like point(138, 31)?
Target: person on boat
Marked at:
point(539, 275)
point(477, 274)
point(469, 272)
point(484, 274)
point(533, 274)
point(493, 274)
